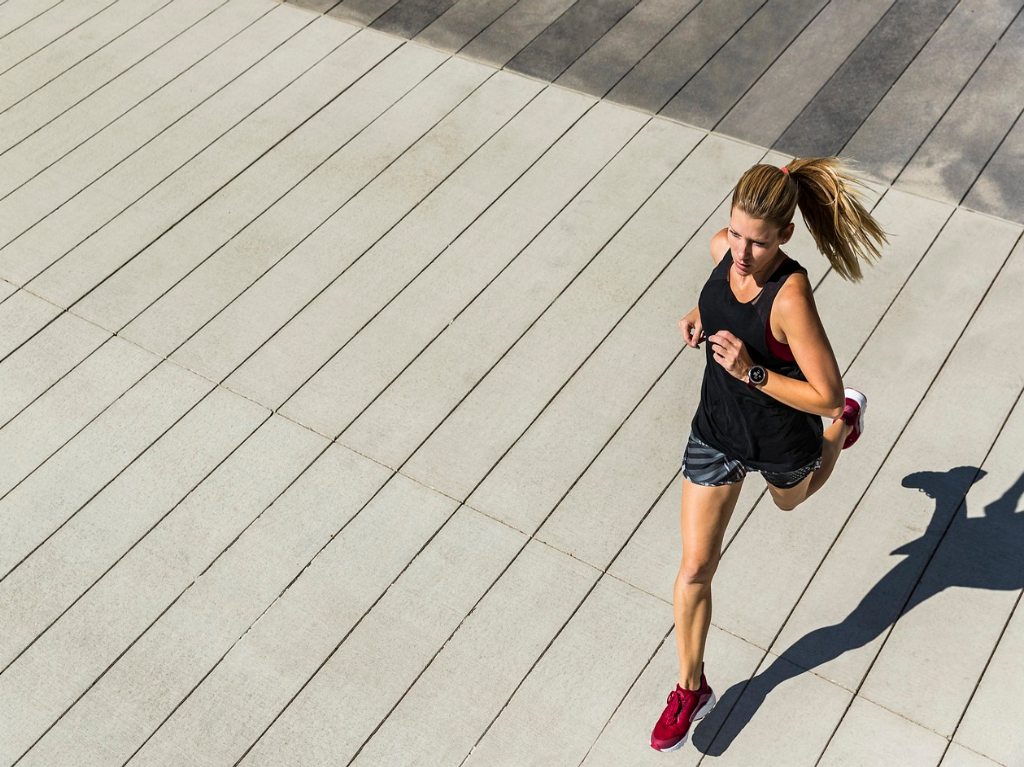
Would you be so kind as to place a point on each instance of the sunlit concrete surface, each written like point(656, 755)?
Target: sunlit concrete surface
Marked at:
point(341, 398)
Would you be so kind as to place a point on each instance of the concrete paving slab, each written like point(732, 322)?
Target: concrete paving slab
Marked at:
point(145, 219)
point(980, 616)
point(331, 717)
point(160, 648)
point(808, 532)
point(514, 30)
point(22, 315)
point(77, 47)
point(73, 216)
point(990, 724)
point(39, 364)
point(470, 441)
point(728, 74)
point(14, 15)
point(38, 133)
point(123, 603)
point(961, 143)
point(576, 685)
point(120, 711)
point(316, 6)
point(777, 97)
point(45, 28)
point(891, 519)
point(568, 37)
point(112, 522)
point(359, 11)
point(234, 334)
point(599, 68)
point(37, 107)
point(407, 18)
point(625, 739)
point(59, 489)
point(251, 479)
point(442, 292)
point(895, 129)
point(230, 209)
point(614, 497)
point(835, 113)
point(660, 74)
point(259, 258)
point(280, 367)
point(397, 421)
point(273, 661)
point(817, 77)
point(998, 189)
point(971, 576)
point(913, 224)
point(462, 22)
point(871, 735)
point(53, 419)
point(476, 675)
point(958, 756)
point(804, 706)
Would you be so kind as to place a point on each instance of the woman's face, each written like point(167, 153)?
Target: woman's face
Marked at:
point(755, 242)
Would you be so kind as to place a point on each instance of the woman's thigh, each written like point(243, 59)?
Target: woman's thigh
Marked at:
point(789, 498)
point(704, 517)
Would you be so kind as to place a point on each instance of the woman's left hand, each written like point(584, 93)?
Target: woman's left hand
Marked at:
point(731, 354)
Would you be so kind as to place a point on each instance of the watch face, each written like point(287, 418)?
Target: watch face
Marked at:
point(757, 375)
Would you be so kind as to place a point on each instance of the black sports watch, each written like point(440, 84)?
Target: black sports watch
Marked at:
point(756, 376)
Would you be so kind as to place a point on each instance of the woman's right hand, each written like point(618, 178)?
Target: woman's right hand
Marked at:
point(691, 329)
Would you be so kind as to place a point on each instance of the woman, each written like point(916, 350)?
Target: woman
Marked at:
point(770, 376)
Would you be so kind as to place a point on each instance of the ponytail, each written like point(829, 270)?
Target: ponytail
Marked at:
point(827, 196)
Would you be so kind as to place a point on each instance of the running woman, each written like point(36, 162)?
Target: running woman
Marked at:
point(770, 377)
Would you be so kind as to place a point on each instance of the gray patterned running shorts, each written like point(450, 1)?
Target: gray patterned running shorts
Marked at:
point(704, 465)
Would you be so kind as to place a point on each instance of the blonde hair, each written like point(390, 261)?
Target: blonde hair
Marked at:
point(827, 195)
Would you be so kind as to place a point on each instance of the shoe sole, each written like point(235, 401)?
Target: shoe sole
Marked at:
point(701, 713)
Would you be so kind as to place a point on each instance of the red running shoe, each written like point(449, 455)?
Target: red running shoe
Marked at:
point(684, 708)
point(853, 415)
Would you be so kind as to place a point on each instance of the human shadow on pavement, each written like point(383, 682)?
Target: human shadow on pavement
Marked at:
point(979, 552)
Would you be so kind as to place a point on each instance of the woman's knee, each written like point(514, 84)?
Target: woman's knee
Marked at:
point(697, 569)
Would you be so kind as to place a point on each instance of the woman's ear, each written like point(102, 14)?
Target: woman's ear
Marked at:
point(786, 232)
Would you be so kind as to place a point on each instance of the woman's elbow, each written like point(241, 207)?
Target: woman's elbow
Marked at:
point(835, 404)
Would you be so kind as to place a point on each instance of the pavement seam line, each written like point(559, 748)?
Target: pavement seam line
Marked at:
point(152, 93)
point(174, 172)
point(88, 56)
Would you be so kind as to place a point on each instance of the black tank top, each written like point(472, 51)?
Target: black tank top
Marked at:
point(741, 422)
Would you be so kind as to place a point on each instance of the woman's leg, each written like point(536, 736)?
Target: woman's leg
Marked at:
point(703, 519)
point(831, 446)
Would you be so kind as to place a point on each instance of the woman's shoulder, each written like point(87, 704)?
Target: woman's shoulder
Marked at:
point(795, 295)
point(719, 245)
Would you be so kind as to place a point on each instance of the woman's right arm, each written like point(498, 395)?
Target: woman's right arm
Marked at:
point(690, 326)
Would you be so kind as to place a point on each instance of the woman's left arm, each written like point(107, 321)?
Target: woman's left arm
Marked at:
point(797, 317)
